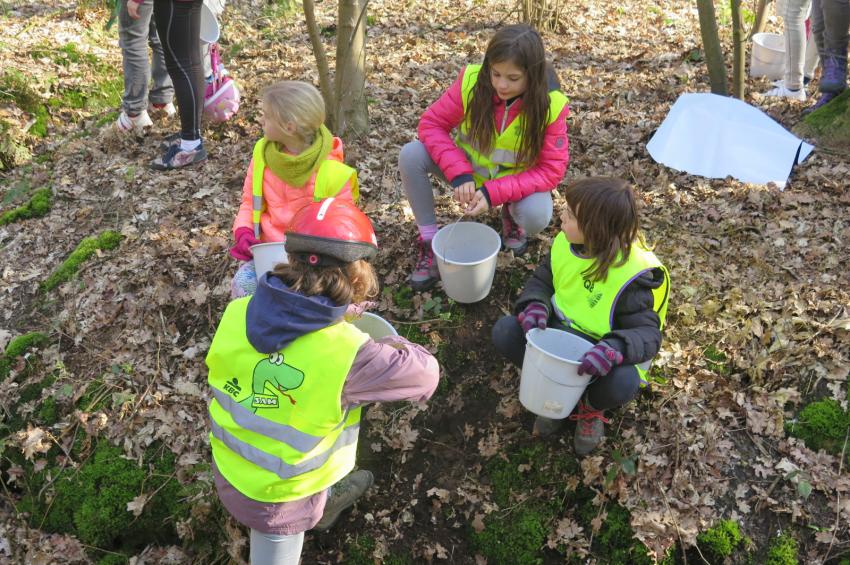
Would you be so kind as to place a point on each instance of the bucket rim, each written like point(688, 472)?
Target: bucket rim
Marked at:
point(489, 231)
point(537, 331)
point(269, 244)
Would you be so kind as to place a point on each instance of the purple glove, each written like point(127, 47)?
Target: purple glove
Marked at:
point(535, 315)
point(244, 240)
point(599, 360)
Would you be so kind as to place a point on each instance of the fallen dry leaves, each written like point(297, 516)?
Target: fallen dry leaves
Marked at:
point(759, 275)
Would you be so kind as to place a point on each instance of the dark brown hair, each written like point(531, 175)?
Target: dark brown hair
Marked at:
point(607, 215)
point(521, 45)
point(346, 284)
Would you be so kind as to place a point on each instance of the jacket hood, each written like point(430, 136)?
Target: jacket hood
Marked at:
point(277, 316)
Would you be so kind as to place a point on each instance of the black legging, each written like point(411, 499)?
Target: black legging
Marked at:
point(613, 390)
point(178, 23)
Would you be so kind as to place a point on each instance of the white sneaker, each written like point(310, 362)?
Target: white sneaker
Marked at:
point(782, 92)
point(162, 110)
point(133, 124)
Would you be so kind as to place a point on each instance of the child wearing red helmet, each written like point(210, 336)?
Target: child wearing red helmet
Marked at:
point(289, 377)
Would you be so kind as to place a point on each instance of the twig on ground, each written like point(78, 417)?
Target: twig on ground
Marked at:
point(837, 497)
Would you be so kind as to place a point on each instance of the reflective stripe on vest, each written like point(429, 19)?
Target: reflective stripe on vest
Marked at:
point(502, 159)
point(588, 306)
point(278, 429)
point(274, 464)
point(330, 179)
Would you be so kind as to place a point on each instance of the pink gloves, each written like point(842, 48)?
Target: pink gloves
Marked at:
point(535, 315)
point(599, 360)
point(244, 240)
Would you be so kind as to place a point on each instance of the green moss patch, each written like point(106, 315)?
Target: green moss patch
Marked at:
point(36, 207)
point(91, 502)
point(84, 251)
point(822, 425)
point(830, 123)
point(782, 551)
point(517, 532)
point(721, 540)
point(17, 347)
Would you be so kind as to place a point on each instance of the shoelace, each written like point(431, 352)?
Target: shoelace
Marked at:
point(585, 418)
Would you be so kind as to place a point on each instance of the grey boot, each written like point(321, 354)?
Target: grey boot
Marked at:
point(343, 495)
point(590, 428)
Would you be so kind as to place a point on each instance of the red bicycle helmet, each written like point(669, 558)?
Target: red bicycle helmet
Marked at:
point(331, 231)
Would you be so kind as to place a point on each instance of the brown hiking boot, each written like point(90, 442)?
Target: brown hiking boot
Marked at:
point(590, 428)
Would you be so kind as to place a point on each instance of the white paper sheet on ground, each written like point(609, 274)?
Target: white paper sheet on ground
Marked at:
point(716, 136)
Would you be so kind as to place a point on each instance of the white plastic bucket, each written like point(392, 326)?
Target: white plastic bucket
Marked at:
point(374, 325)
point(768, 56)
point(267, 255)
point(550, 385)
point(210, 30)
point(466, 258)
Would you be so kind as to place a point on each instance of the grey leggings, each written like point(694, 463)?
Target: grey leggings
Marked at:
point(133, 38)
point(272, 549)
point(830, 23)
point(533, 213)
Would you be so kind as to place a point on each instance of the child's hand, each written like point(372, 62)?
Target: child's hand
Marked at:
point(478, 204)
point(599, 360)
point(133, 9)
point(464, 193)
point(535, 315)
point(244, 240)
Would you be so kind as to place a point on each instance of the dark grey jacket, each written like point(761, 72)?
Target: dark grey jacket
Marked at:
point(635, 331)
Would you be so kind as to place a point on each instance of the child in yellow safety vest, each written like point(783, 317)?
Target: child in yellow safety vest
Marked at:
point(599, 282)
point(289, 377)
point(509, 148)
point(297, 161)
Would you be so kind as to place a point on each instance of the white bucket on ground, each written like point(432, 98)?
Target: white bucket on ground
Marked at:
point(267, 255)
point(374, 325)
point(466, 258)
point(768, 56)
point(210, 30)
point(550, 385)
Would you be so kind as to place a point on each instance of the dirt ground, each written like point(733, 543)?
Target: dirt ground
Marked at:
point(758, 323)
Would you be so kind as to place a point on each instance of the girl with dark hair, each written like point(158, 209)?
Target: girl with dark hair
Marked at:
point(509, 149)
point(602, 283)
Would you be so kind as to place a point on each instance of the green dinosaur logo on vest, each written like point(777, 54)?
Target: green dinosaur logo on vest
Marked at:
point(272, 379)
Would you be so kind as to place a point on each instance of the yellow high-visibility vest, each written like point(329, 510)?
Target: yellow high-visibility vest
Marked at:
point(589, 305)
point(330, 178)
point(502, 160)
point(279, 432)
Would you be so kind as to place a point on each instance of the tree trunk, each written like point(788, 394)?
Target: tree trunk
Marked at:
point(321, 63)
point(711, 47)
point(541, 14)
point(350, 83)
point(739, 51)
point(761, 16)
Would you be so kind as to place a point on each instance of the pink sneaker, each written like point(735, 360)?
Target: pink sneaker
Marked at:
point(425, 273)
point(513, 236)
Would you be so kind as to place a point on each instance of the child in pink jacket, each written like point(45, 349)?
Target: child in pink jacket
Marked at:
point(298, 161)
point(509, 149)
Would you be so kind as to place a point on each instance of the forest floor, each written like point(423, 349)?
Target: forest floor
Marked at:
point(758, 327)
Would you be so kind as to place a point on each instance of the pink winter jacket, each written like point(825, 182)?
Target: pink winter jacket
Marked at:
point(282, 200)
point(446, 114)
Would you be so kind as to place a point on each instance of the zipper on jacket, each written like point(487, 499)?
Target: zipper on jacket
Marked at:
point(505, 116)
